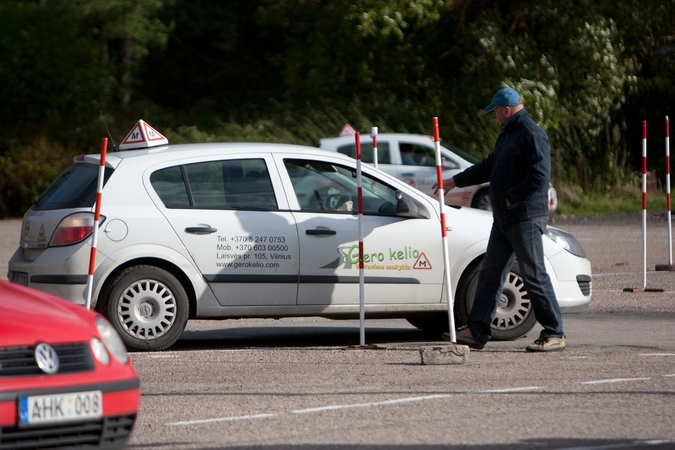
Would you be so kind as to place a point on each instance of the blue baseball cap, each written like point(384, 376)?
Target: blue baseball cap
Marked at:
point(504, 97)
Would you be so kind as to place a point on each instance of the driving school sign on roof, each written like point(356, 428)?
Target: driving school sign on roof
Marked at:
point(143, 135)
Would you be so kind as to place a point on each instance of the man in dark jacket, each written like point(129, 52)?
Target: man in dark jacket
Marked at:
point(518, 171)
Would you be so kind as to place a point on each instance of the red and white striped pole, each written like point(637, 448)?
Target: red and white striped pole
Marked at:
point(373, 133)
point(670, 226)
point(644, 204)
point(97, 219)
point(444, 231)
point(362, 303)
point(668, 266)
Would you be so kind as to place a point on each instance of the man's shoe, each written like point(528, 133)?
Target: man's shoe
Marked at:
point(548, 344)
point(464, 337)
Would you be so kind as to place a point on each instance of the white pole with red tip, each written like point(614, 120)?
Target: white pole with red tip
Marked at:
point(362, 303)
point(373, 134)
point(444, 231)
point(97, 219)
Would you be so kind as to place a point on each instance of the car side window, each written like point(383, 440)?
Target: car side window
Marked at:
point(324, 187)
point(242, 184)
point(417, 155)
point(367, 152)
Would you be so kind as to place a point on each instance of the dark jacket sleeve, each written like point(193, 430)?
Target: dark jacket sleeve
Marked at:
point(476, 174)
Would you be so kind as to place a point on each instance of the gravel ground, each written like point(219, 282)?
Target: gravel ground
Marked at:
point(614, 245)
point(9, 241)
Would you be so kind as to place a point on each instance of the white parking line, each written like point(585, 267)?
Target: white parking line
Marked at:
point(223, 419)
point(353, 405)
point(656, 354)
point(506, 391)
point(362, 405)
point(614, 380)
point(409, 400)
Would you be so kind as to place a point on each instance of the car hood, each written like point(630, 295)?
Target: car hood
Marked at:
point(28, 316)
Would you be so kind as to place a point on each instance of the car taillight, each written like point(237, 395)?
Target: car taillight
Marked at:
point(73, 229)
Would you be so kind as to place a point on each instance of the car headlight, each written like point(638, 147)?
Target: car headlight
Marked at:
point(112, 340)
point(100, 353)
point(566, 241)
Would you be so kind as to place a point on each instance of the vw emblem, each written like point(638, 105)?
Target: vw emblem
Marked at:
point(47, 359)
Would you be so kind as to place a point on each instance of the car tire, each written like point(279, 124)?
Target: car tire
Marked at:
point(147, 306)
point(514, 317)
point(482, 200)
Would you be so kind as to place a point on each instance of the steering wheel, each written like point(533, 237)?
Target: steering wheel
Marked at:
point(338, 202)
point(332, 198)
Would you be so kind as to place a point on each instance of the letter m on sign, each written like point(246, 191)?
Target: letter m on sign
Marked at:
point(422, 263)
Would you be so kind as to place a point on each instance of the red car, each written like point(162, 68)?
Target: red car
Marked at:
point(65, 376)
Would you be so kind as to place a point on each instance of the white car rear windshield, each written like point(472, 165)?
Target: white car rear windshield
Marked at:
point(74, 188)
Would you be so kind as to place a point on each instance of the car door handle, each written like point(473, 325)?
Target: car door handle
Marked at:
point(201, 230)
point(321, 232)
point(408, 174)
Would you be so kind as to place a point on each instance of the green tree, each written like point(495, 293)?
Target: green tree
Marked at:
point(128, 29)
point(50, 66)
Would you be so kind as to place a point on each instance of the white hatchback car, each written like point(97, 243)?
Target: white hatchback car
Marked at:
point(236, 230)
point(412, 158)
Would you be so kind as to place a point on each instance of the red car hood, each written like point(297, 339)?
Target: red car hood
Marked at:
point(60, 320)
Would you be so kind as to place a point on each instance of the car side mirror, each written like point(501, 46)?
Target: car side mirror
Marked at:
point(409, 207)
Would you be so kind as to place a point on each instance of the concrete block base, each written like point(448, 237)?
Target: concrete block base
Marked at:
point(446, 354)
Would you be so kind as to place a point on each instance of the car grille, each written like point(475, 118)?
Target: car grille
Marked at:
point(111, 432)
point(18, 361)
point(584, 284)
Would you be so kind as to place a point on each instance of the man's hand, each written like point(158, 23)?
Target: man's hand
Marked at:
point(448, 185)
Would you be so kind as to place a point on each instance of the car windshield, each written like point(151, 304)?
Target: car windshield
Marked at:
point(459, 152)
point(74, 188)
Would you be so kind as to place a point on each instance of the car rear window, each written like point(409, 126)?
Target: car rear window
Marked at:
point(74, 188)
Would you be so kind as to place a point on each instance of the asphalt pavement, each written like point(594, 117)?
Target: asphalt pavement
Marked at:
point(297, 384)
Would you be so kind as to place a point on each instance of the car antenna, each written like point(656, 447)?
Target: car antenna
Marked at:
point(110, 135)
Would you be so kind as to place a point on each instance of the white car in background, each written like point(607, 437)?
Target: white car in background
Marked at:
point(412, 158)
point(236, 230)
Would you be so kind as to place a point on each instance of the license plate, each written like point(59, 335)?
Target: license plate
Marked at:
point(44, 409)
point(20, 278)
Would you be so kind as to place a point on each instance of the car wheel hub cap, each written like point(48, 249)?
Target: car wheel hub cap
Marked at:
point(146, 309)
point(503, 301)
point(514, 304)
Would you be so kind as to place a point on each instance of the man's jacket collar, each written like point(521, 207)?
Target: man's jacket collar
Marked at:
point(515, 119)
